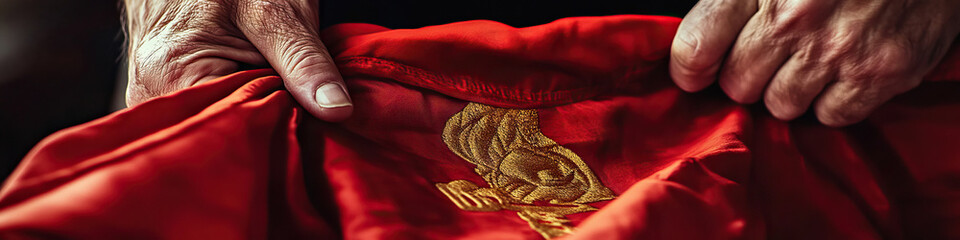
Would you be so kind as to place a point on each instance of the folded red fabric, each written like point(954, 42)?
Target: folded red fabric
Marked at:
point(483, 131)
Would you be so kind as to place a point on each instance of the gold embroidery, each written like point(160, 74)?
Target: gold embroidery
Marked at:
point(527, 172)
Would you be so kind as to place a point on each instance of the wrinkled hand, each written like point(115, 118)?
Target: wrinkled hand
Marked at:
point(843, 57)
point(174, 44)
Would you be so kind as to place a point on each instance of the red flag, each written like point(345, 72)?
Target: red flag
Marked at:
point(480, 130)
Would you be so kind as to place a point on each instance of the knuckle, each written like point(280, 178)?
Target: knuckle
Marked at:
point(151, 81)
point(303, 56)
point(891, 60)
point(135, 93)
point(780, 91)
point(833, 115)
point(157, 67)
point(835, 51)
point(272, 18)
point(780, 26)
point(158, 61)
point(888, 63)
point(782, 20)
point(300, 52)
point(736, 92)
point(836, 45)
point(686, 53)
point(793, 20)
point(782, 106)
point(851, 107)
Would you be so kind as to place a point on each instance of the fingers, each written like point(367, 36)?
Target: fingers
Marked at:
point(286, 34)
point(796, 85)
point(798, 54)
point(703, 38)
point(844, 103)
point(221, 58)
point(169, 62)
point(754, 59)
point(863, 86)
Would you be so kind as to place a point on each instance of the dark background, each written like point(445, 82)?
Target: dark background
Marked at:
point(59, 60)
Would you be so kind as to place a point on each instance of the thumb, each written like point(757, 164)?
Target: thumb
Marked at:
point(285, 33)
point(704, 37)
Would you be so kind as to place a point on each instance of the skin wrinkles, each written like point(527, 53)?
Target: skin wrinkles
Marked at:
point(175, 44)
point(840, 58)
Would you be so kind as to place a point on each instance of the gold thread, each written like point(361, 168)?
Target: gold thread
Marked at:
point(523, 168)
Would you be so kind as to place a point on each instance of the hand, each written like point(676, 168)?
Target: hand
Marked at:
point(174, 44)
point(844, 57)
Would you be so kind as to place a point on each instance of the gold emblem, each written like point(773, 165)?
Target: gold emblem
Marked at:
point(527, 172)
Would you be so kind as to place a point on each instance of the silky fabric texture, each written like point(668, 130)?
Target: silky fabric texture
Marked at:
point(236, 158)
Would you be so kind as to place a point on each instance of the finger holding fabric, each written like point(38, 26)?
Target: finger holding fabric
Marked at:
point(703, 39)
point(286, 32)
point(841, 58)
point(178, 44)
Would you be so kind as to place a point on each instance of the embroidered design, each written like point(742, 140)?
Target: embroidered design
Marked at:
point(527, 172)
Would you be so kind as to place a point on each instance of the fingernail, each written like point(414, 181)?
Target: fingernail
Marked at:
point(332, 95)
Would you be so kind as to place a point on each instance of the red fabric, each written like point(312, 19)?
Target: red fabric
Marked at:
point(236, 158)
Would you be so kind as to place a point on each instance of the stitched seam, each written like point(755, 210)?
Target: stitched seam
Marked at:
point(453, 85)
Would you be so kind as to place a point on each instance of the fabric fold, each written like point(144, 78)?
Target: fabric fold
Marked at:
point(478, 130)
